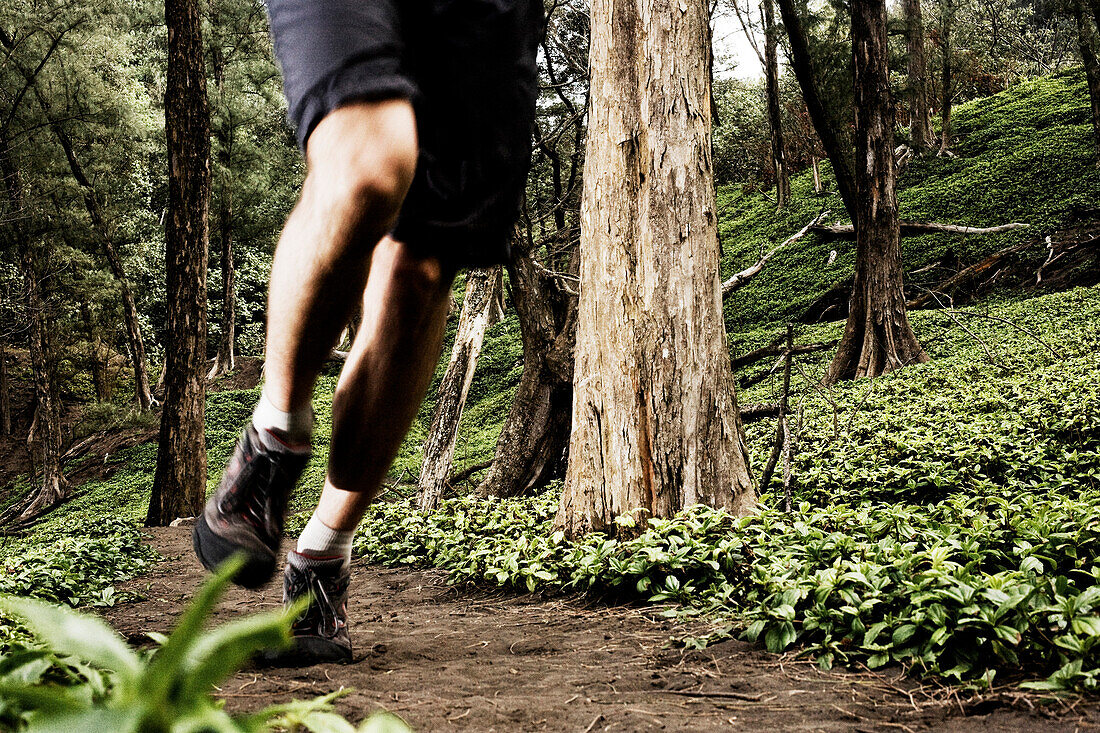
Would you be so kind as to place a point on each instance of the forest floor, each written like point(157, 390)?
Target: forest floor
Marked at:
point(449, 659)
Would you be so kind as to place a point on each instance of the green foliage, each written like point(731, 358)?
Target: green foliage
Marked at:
point(946, 517)
point(73, 563)
point(118, 689)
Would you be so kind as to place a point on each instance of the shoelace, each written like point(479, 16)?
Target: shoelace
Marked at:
point(322, 604)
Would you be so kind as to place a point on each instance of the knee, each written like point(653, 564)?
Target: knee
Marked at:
point(362, 159)
point(423, 274)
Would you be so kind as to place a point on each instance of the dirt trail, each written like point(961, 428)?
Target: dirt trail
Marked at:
point(450, 660)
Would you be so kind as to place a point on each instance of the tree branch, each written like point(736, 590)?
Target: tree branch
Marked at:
point(916, 228)
point(744, 277)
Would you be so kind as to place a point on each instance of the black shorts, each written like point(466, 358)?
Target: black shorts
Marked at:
point(468, 67)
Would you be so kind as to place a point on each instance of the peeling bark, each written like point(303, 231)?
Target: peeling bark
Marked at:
point(439, 448)
point(655, 421)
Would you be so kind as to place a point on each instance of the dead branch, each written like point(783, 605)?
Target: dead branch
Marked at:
point(761, 411)
point(776, 348)
point(460, 476)
point(743, 278)
point(915, 229)
point(967, 274)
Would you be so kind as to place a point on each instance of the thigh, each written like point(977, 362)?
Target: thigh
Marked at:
point(474, 62)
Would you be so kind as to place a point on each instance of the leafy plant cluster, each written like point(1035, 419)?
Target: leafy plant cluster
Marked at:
point(946, 516)
point(74, 564)
point(963, 588)
point(106, 686)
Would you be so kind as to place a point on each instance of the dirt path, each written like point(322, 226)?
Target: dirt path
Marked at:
point(447, 660)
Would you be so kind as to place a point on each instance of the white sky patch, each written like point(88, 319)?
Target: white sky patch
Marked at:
point(733, 55)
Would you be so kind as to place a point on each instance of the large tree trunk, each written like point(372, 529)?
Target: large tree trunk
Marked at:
point(775, 116)
point(877, 338)
point(655, 422)
point(920, 131)
point(947, 19)
point(532, 444)
point(439, 448)
point(834, 139)
point(1087, 46)
point(179, 485)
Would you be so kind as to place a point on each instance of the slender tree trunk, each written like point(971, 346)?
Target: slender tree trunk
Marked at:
point(1087, 46)
point(817, 176)
point(532, 444)
point(918, 76)
point(53, 487)
point(947, 18)
point(5, 391)
point(179, 484)
point(142, 392)
point(775, 115)
point(96, 362)
point(877, 338)
point(226, 359)
point(834, 139)
point(655, 421)
point(439, 448)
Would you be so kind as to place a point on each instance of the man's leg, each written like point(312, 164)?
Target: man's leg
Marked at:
point(361, 160)
point(388, 370)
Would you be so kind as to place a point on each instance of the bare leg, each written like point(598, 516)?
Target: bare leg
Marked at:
point(383, 382)
point(361, 161)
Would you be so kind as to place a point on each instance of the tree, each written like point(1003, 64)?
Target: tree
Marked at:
point(1088, 48)
point(179, 484)
point(533, 441)
point(482, 287)
point(655, 423)
point(775, 116)
point(826, 111)
point(920, 131)
point(948, 10)
point(878, 337)
point(769, 62)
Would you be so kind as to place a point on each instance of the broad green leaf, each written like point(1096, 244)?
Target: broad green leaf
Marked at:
point(69, 632)
point(164, 669)
point(221, 652)
point(384, 723)
point(99, 720)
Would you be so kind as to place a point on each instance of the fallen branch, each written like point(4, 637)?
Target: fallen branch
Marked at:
point(460, 476)
point(915, 229)
point(761, 411)
point(967, 274)
point(776, 348)
point(744, 277)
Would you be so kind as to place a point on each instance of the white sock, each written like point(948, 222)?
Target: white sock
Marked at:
point(281, 430)
point(320, 540)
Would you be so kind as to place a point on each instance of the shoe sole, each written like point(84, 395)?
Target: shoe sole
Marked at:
point(306, 651)
point(212, 550)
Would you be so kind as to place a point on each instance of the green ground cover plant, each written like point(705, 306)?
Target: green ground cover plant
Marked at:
point(104, 685)
point(945, 517)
